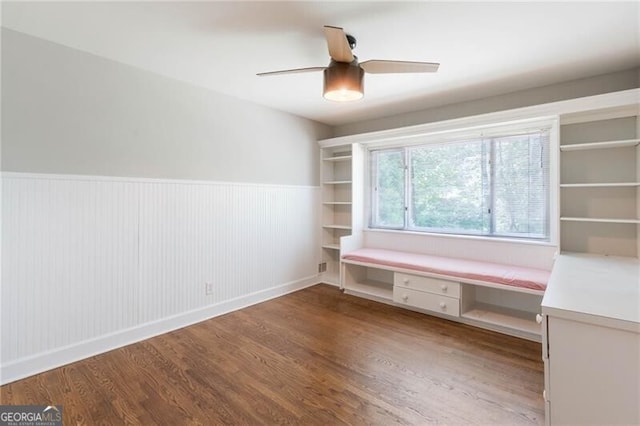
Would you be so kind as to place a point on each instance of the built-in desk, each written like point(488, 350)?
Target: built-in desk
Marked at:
point(591, 340)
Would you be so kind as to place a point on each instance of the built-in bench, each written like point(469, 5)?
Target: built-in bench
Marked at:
point(500, 297)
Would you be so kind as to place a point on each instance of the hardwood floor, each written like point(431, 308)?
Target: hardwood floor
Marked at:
point(316, 356)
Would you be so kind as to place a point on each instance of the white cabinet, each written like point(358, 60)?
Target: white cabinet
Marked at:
point(599, 187)
point(591, 341)
point(430, 294)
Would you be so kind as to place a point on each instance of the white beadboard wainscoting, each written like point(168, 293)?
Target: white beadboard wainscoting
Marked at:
point(94, 263)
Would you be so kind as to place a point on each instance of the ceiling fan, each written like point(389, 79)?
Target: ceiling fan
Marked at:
point(344, 76)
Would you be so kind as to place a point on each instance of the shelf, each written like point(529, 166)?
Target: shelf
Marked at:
point(337, 182)
point(336, 226)
point(600, 145)
point(504, 317)
point(339, 203)
point(338, 158)
point(599, 220)
point(599, 185)
point(330, 278)
point(378, 289)
point(331, 246)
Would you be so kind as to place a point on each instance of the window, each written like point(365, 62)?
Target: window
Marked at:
point(495, 186)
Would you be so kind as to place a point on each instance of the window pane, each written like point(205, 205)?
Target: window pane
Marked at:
point(495, 186)
point(449, 187)
point(521, 188)
point(388, 195)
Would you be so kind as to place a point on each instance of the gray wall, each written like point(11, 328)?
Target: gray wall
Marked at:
point(66, 111)
point(613, 82)
point(69, 112)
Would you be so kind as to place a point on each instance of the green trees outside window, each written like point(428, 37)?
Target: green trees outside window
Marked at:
point(492, 186)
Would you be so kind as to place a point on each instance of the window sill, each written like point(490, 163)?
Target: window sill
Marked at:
point(504, 240)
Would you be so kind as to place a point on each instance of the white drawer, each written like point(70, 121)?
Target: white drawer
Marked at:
point(429, 301)
point(432, 285)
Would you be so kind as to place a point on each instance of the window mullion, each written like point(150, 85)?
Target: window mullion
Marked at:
point(374, 177)
point(492, 186)
point(408, 189)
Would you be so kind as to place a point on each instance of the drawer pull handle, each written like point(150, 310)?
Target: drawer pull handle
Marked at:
point(539, 318)
point(443, 306)
point(444, 288)
point(406, 281)
point(405, 297)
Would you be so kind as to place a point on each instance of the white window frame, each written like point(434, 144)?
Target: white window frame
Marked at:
point(481, 131)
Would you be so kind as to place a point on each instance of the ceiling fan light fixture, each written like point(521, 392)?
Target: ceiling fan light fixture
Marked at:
point(344, 77)
point(343, 82)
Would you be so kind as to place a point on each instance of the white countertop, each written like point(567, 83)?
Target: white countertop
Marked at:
point(603, 290)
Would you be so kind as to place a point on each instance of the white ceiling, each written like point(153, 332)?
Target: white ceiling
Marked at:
point(484, 48)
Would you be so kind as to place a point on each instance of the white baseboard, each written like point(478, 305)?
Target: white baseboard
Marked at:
point(25, 367)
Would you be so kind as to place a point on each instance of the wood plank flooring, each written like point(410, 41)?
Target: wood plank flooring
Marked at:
point(315, 357)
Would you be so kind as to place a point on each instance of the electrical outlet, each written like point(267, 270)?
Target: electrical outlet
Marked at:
point(208, 289)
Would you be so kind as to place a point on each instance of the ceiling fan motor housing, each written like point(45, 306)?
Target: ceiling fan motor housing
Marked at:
point(351, 40)
point(343, 81)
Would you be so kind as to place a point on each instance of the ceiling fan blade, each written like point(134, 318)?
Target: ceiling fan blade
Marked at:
point(390, 67)
point(291, 71)
point(339, 48)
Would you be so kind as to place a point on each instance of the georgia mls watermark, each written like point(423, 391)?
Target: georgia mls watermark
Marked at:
point(30, 415)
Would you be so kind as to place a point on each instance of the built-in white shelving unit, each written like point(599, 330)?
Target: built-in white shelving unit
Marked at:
point(336, 186)
point(450, 298)
point(600, 185)
point(341, 179)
